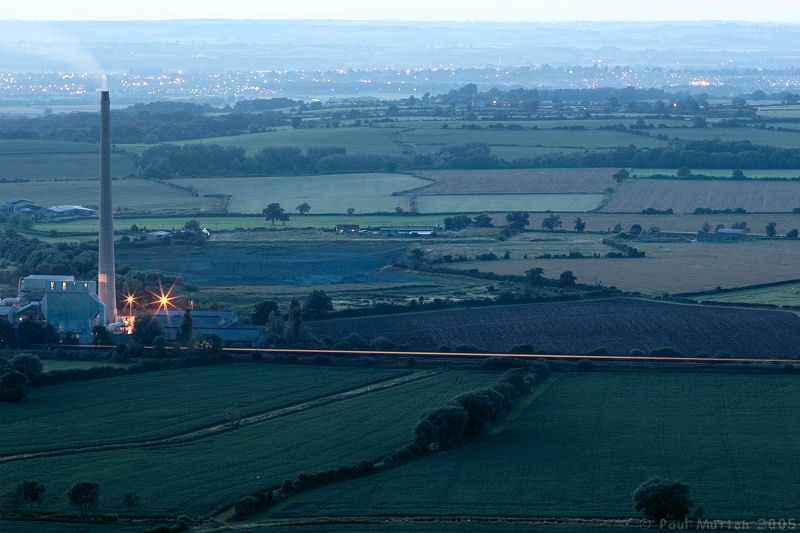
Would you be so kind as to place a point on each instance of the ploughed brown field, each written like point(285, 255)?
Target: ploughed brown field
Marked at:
point(671, 267)
point(684, 196)
point(519, 181)
point(757, 222)
point(618, 325)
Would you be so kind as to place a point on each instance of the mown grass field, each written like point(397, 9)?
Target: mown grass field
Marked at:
point(620, 325)
point(780, 295)
point(31, 159)
point(135, 195)
point(674, 267)
point(585, 444)
point(200, 476)
point(366, 193)
point(157, 404)
point(518, 181)
point(684, 196)
point(492, 203)
point(232, 222)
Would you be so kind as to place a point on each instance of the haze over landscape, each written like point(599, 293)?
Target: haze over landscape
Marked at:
point(366, 266)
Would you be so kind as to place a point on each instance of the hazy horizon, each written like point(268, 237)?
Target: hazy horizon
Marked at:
point(767, 11)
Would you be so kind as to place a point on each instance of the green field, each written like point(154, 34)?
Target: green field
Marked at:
point(65, 364)
point(483, 203)
point(199, 476)
point(780, 139)
point(31, 159)
point(366, 193)
point(157, 404)
point(584, 445)
point(89, 226)
point(377, 141)
point(779, 295)
point(721, 173)
point(129, 195)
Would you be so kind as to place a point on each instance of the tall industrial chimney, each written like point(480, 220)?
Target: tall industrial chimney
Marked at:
point(106, 272)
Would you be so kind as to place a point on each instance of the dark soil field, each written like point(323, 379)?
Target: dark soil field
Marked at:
point(619, 325)
point(757, 222)
point(684, 196)
point(519, 181)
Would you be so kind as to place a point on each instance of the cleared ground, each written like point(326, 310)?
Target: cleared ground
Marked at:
point(129, 195)
point(684, 196)
point(366, 193)
point(620, 325)
point(672, 267)
point(178, 479)
point(518, 181)
point(722, 173)
point(585, 444)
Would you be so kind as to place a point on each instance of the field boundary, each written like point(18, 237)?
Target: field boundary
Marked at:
point(215, 429)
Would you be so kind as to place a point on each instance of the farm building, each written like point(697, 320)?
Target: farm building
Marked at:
point(32, 288)
point(225, 324)
point(18, 205)
point(721, 235)
point(347, 228)
point(409, 230)
point(58, 211)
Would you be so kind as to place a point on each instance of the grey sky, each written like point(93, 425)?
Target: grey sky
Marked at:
point(435, 10)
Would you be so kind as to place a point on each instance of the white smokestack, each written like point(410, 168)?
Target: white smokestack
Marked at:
point(106, 272)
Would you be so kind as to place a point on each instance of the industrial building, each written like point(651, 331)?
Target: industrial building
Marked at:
point(722, 235)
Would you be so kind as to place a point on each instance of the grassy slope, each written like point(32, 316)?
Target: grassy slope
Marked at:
point(200, 476)
point(583, 446)
point(142, 406)
point(325, 194)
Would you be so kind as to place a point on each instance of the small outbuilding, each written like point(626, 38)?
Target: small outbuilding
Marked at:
point(722, 235)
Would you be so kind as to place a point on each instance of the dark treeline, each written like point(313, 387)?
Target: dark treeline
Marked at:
point(168, 160)
point(150, 123)
point(212, 160)
point(695, 154)
point(21, 256)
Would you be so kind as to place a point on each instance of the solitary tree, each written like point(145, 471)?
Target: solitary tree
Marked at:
point(551, 222)
point(262, 311)
point(276, 329)
point(636, 229)
point(146, 328)
point(351, 210)
point(580, 224)
point(684, 173)
point(567, 279)
point(29, 493)
point(792, 234)
point(28, 364)
point(295, 321)
point(534, 277)
point(14, 386)
point(192, 226)
point(284, 218)
point(101, 336)
point(660, 499)
point(273, 212)
point(84, 495)
point(317, 305)
point(517, 220)
point(737, 175)
point(706, 228)
point(185, 330)
point(483, 221)
point(303, 208)
point(771, 231)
